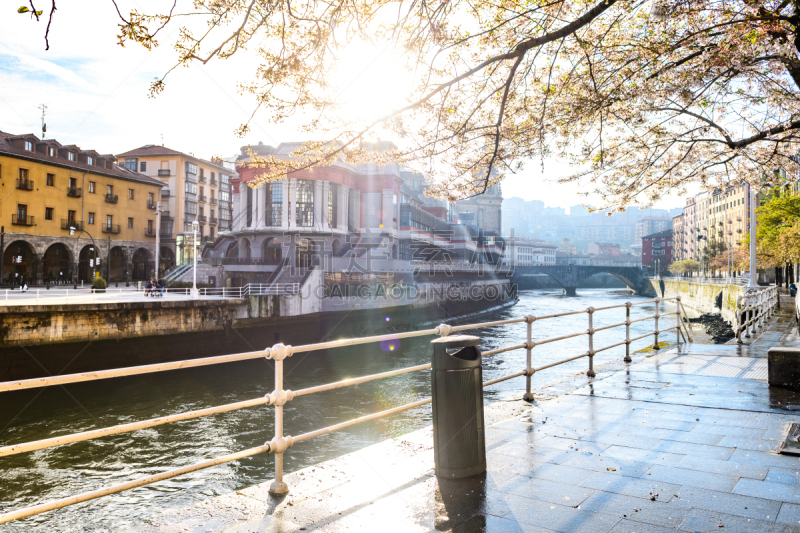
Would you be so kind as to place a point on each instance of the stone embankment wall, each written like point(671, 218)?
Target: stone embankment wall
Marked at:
point(27, 325)
point(701, 297)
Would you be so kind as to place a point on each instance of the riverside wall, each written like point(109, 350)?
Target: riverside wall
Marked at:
point(701, 297)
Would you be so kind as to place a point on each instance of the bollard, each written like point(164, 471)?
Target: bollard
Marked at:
point(459, 442)
point(628, 332)
point(591, 373)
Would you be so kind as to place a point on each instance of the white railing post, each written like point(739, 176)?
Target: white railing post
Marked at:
point(528, 396)
point(279, 443)
point(655, 331)
point(678, 331)
point(739, 320)
point(591, 373)
point(628, 332)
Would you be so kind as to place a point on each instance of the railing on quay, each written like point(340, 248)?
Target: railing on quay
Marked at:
point(753, 308)
point(280, 397)
point(101, 295)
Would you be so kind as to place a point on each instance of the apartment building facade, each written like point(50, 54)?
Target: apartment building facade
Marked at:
point(194, 190)
point(65, 208)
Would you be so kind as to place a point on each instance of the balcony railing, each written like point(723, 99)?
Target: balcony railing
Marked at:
point(163, 173)
point(71, 224)
point(111, 228)
point(151, 204)
point(74, 192)
point(165, 234)
point(25, 185)
point(165, 193)
point(202, 198)
point(212, 220)
point(201, 179)
point(213, 201)
point(112, 198)
point(149, 232)
point(202, 218)
point(21, 220)
point(213, 181)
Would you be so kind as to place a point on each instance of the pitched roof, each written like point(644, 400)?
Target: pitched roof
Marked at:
point(116, 171)
point(155, 149)
point(659, 235)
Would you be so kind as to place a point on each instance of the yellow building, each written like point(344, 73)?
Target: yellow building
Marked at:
point(194, 189)
point(62, 208)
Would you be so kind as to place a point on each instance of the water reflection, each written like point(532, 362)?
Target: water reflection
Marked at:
point(49, 474)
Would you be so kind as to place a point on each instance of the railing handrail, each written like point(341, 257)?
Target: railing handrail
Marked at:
point(753, 309)
point(279, 396)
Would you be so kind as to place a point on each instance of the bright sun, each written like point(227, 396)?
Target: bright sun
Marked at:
point(370, 81)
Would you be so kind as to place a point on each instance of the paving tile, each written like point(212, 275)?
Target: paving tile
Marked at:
point(548, 491)
point(746, 506)
point(783, 475)
point(789, 514)
point(743, 443)
point(627, 507)
point(766, 459)
point(693, 478)
point(629, 526)
point(638, 488)
point(635, 454)
point(535, 452)
point(775, 434)
point(552, 472)
point(728, 430)
point(729, 468)
point(697, 450)
point(769, 490)
point(602, 463)
point(485, 523)
point(558, 517)
point(701, 520)
point(686, 436)
point(573, 444)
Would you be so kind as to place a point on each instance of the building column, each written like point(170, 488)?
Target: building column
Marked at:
point(342, 207)
point(262, 195)
point(257, 207)
point(284, 203)
point(319, 202)
point(241, 220)
point(293, 204)
point(356, 208)
point(326, 188)
point(386, 210)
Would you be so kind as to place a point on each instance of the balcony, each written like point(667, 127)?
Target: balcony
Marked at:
point(111, 228)
point(149, 232)
point(213, 201)
point(112, 198)
point(212, 220)
point(202, 198)
point(71, 224)
point(202, 218)
point(25, 185)
point(213, 182)
point(21, 220)
point(163, 173)
point(151, 204)
point(74, 192)
point(201, 179)
point(165, 235)
point(165, 193)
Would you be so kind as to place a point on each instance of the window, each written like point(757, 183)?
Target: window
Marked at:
point(150, 199)
point(91, 218)
point(201, 189)
point(191, 168)
point(71, 215)
point(305, 203)
point(22, 211)
point(51, 180)
point(23, 174)
point(191, 208)
point(110, 190)
point(211, 233)
point(201, 211)
point(130, 163)
point(92, 187)
point(191, 187)
point(130, 223)
point(109, 221)
point(130, 194)
point(332, 205)
point(29, 146)
point(71, 156)
point(51, 151)
point(89, 160)
point(48, 213)
point(143, 166)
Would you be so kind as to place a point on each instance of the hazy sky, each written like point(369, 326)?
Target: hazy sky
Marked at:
point(97, 95)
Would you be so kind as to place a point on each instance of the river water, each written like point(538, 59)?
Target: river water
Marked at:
point(49, 474)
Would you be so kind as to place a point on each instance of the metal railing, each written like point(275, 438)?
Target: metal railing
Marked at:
point(279, 397)
point(74, 192)
point(111, 228)
point(753, 309)
point(21, 220)
point(163, 172)
point(25, 184)
point(112, 198)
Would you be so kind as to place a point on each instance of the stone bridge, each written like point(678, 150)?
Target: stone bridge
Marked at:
point(570, 276)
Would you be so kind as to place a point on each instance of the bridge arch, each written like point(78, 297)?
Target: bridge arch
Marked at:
point(570, 276)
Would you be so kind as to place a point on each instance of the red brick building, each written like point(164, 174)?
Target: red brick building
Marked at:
point(657, 246)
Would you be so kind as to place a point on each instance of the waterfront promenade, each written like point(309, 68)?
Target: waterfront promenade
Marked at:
point(685, 440)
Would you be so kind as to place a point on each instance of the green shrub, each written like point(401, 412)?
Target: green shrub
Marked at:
point(99, 283)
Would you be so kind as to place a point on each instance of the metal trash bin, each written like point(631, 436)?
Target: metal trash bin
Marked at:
point(459, 444)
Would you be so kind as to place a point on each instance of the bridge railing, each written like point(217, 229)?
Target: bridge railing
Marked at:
point(280, 396)
point(753, 308)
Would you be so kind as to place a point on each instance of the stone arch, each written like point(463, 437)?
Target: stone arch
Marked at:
point(20, 262)
point(232, 252)
point(245, 251)
point(305, 253)
point(272, 251)
point(88, 254)
point(336, 247)
point(117, 264)
point(166, 257)
point(57, 264)
point(141, 264)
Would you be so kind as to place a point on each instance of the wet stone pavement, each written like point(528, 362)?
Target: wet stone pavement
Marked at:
point(685, 441)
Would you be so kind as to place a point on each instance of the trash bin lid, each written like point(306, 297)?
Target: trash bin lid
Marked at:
point(457, 341)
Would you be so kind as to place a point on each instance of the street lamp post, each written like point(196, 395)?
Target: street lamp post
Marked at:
point(158, 236)
point(195, 292)
point(753, 204)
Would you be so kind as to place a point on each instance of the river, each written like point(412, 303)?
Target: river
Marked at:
point(44, 475)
